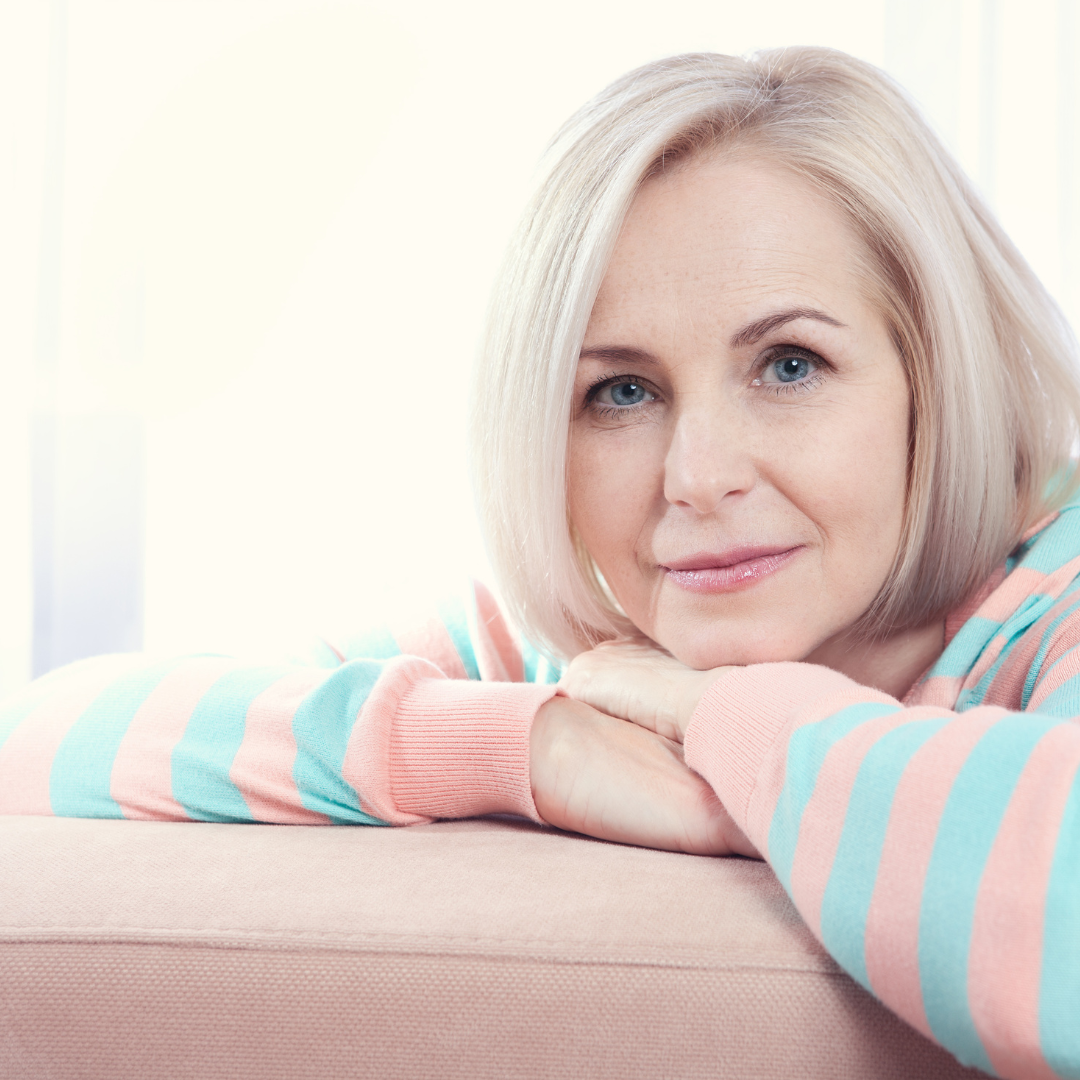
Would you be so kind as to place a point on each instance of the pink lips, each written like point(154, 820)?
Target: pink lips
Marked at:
point(726, 571)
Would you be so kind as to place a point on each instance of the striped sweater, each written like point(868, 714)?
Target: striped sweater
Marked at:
point(932, 844)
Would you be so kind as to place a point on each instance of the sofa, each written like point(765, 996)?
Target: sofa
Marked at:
point(488, 948)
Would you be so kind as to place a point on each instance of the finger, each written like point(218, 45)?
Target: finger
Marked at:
point(599, 776)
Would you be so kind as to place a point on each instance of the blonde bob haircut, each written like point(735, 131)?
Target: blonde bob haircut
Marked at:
point(990, 359)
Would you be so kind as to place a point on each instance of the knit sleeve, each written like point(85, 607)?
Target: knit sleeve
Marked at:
point(935, 854)
point(433, 722)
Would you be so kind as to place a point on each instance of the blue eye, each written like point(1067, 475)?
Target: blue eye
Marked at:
point(792, 368)
point(617, 398)
point(627, 393)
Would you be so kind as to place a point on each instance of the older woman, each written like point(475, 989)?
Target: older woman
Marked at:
point(773, 437)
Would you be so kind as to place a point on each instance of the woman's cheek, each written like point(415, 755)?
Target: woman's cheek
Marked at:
point(859, 490)
point(612, 481)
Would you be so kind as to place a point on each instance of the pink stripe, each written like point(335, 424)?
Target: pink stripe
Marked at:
point(366, 768)
point(1007, 686)
point(892, 924)
point(497, 654)
point(1058, 581)
point(141, 781)
point(263, 766)
point(1039, 526)
point(823, 819)
point(26, 757)
point(1066, 635)
point(1022, 583)
point(432, 641)
point(940, 691)
point(956, 619)
point(1005, 961)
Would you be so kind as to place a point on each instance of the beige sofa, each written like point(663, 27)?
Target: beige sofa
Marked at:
point(472, 949)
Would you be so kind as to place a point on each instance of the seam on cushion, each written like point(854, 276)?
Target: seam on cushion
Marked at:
point(692, 961)
point(116, 934)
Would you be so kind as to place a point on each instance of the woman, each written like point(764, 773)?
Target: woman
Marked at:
point(773, 438)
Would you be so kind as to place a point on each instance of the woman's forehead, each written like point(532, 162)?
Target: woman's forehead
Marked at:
point(723, 217)
point(729, 239)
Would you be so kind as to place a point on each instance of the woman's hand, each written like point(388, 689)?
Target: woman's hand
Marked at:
point(594, 774)
point(636, 681)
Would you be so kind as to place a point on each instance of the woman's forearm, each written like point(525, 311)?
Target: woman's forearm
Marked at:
point(214, 739)
point(386, 728)
point(935, 854)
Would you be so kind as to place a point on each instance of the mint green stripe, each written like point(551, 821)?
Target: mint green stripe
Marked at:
point(374, 643)
point(81, 776)
point(970, 640)
point(1059, 988)
point(547, 672)
point(322, 727)
point(806, 752)
point(966, 832)
point(452, 614)
point(202, 759)
point(846, 903)
point(538, 668)
point(1055, 545)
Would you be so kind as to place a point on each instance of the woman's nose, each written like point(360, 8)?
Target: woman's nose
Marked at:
point(707, 460)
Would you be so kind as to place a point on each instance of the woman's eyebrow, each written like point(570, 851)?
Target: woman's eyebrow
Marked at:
point(756, 330)
point(618, 354)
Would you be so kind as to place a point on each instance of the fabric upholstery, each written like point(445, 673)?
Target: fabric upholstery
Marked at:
point(475, 949)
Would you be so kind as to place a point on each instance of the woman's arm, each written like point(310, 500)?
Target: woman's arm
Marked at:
point(389, 741)
point(403, 725)
point(936, 854)
point(429, 717)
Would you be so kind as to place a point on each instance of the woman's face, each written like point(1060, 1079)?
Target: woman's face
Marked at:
point(739, 441)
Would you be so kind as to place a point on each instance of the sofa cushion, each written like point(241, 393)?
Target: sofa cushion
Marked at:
point(473, 949)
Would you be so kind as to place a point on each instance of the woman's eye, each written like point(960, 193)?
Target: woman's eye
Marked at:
point(623, 394)
point(790, 367)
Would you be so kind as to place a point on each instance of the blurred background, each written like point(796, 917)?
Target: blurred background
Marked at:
point(245, 251)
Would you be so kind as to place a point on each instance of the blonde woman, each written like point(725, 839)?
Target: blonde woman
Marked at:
point(772, 433)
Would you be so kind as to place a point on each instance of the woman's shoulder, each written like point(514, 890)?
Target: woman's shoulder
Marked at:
point(1009, 644)
point(465, 633)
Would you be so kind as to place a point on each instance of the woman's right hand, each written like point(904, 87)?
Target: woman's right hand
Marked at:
point(594, 774)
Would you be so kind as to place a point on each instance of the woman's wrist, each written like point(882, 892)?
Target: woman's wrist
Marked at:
point(694, 686)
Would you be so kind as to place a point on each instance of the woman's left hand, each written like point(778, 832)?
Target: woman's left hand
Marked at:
point(636, 681)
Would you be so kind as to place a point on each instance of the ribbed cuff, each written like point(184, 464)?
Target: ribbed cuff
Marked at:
point(460, 749)
point(739, 719)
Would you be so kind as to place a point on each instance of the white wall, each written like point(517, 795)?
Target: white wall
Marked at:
point(278, 221)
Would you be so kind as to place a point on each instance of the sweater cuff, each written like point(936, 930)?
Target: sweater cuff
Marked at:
point(461, 748)
point(739, 719)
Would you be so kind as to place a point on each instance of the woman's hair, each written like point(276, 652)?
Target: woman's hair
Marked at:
point(990, 359)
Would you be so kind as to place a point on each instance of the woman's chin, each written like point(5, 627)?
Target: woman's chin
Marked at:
point(731, 650)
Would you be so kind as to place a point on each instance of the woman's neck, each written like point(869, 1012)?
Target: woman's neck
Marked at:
point(892, 664)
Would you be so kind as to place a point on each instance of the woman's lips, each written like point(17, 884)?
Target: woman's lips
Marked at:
point(729, 570)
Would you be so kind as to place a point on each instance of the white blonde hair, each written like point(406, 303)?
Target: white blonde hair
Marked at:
point(990, 359)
